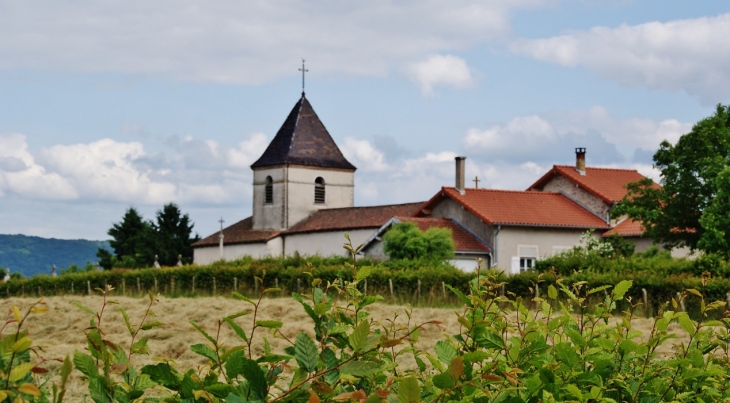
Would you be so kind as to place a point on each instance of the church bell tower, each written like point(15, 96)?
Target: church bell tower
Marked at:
point(301, 171)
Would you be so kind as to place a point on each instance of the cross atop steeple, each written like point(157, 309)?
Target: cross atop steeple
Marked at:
point(303, 70)
point(476, 182)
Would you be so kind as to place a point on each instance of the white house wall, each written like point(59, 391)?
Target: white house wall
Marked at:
point(207, 255)
point(325, 243)
point(547, 240)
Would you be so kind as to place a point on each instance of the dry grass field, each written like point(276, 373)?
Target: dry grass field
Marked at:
point(61, 330)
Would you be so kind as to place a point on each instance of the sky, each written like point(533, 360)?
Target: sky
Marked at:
point(117, 104)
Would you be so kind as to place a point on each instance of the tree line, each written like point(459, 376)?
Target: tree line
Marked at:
point(138, 242)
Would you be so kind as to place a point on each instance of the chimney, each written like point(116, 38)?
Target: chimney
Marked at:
point(460, 174)
point(580, 160)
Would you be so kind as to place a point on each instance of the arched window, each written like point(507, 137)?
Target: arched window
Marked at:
point(319, 190)
point(269, 191)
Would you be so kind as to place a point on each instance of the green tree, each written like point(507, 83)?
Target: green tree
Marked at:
point(174, 232)
point(406, 241)
point(691, 183)
point(133, 240)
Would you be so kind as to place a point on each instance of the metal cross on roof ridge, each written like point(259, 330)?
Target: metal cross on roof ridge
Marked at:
point(476, 182)
point(303, 70)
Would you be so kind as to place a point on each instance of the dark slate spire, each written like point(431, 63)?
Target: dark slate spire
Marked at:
point(303, 140)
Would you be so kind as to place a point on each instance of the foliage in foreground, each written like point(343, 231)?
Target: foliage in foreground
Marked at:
point(501, 352)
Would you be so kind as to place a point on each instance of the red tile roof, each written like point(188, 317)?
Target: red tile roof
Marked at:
point(509, 207)
point(238, 233)
point(463, 240)
point(627, 227)
point(606, 183)
point(353, 217)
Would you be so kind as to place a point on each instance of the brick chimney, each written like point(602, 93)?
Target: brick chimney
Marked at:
point(460, 174)
point(580, 160)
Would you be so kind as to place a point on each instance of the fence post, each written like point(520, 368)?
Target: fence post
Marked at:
point(124, 287)
point(390, 283)
point(139, 289)
point(255, 286)
point(365, 286)
point(503, 289)
point(646, 302)
point(299, 285)
point(172, 285)
point(213, 285)
point(443, 289)
point(537, 291)
point(156, 289)
point(193, 285)
point(22, 289)
point(681, 302)
point(727, 297)
point(39, 291)
point(88, 286)
point(276, 282)
point(72, 288)
point(419, 288)
point(235, 283)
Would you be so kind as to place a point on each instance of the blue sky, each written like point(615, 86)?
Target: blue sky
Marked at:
point(108, 105)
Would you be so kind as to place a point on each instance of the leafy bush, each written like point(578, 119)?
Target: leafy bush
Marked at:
point(405, 241)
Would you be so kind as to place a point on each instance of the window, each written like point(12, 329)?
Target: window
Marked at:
point(319, 190)
point(269, 191)
point(528, 255)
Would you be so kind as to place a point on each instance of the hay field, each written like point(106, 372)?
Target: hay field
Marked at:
point(61, 330)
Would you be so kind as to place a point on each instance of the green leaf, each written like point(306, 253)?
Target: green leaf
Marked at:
point(126, 321)
point(306, 352)
point(256, 379)
point(443, 381)
point(686, 323)
point(409, 391)
point(19, 372)
point(164, 375)
point(487, 338)
point(206, 335)
point(239, 331)
point(363, 273)
point(140, 347)
point(621, 288)
point(445, 351)
point(552, 292)
point(269, 324)
point(359, 336)
point(360, 368)
point(593, 291)
point(85, 364)
point(151, 325)
point(205, 351)
point(461, 296)
point(242, 298)
point(234, 364)
point(99, 390)
point(83, 308)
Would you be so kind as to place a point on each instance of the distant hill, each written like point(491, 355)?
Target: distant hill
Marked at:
point(31, 255)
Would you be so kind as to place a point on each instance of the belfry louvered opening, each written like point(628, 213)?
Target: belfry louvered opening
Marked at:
point(319, 193)
point(269, 191)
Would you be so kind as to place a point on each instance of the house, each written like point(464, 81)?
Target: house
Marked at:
point(468, 247)
point(303, 202)
point(303, 196)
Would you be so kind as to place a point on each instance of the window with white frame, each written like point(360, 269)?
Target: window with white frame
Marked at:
point(528, 256)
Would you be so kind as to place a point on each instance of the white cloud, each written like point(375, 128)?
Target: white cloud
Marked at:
point(441, 71)
point(243, 42)
point(248, 151)
point(691, 55)
point(21, 175)
point(363, 155)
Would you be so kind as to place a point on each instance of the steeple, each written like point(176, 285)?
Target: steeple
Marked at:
point(303, 140)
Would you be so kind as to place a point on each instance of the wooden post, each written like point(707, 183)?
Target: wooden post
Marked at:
point(537, 291)
point(39, 291)
point(276, 282)
point(193, 285)
point(727, 297)
point(88, 286)
point(72, 288)
point(22, 288)
point(255, 286)
point(443, 289)
point(156, 289)
point(365, 286)
point(681, 302)
point(235, 283)
point(419, 288)
point(124, 287)
point(139, 289)
point(646, 302)
point(503, 290)
point(213, 285)
point(299, 285)
point(390, 283)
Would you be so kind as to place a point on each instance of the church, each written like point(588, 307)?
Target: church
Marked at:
point(303, 202)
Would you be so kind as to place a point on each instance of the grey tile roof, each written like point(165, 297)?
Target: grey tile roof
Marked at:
point(303, 140)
